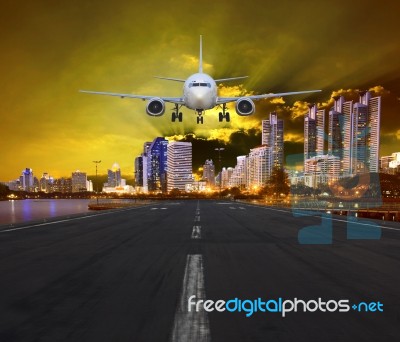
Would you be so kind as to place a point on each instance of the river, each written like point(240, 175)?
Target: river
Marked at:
point(36, 209)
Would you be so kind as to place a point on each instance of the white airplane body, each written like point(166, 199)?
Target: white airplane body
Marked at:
point(200, 93)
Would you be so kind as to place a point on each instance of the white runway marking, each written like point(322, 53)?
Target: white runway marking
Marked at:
point(196, 232)
point(191, 326)
point(232, 208)
point(197, 218)
point(163, 208)
point(242, 208)
point(154, 209)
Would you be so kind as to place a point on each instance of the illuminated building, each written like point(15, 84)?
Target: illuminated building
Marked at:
point(314, 132)
point(272, 136)
point(157, 165)
point(78, 180)
point(209, 173)
point(259, 166)
point(354, 133)
point(238, 177)
point(26, 180)
point(113, 176)
point(179, 165)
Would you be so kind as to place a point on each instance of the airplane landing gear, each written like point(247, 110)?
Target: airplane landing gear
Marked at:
point(224, 114)
point(200, 117)
point(176, 114)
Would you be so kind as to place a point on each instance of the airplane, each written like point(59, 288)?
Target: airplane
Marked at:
point(200, 93)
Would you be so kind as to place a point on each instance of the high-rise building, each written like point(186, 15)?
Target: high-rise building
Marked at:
point(272, 136)
point(114, 176)
point(78, 180)
point(179, 165)
point(321, 169)
point(209, 173)
point(314, 132)
point(354, 133)
point(139, 171)
point(259, 165)
point(63, 185)
point(26, 180)
point(336, 130)
point(44, 183)
point(373, 132)
point(225, 176)
point(239, 175)
point(157, 165)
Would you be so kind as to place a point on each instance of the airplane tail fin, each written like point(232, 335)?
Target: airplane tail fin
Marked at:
point(201, 55)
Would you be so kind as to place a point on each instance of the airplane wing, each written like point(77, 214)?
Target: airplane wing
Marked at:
point(222, 100)
point(177, 100)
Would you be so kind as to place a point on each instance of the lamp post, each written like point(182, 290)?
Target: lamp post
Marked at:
point(97, 184)
point(220, 149)
point(316, 161)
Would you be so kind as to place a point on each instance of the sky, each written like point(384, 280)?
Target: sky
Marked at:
point(51, 50)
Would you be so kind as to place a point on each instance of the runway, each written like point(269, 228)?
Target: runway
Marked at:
point(128, 275)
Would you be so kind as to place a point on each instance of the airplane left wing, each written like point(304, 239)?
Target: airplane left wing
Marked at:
point(177, 100)
point(222, 100)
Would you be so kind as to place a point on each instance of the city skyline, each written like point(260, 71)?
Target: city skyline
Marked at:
point(51, 51)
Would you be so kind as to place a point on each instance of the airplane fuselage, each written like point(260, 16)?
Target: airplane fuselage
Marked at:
point(200, 92)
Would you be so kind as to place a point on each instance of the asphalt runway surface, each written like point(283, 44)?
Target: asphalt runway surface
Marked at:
point(128, 276)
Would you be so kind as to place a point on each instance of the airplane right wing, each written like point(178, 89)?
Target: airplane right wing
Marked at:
point(222, 100)
point(177, 100)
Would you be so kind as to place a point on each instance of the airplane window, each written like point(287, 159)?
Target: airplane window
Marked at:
point(195, 84)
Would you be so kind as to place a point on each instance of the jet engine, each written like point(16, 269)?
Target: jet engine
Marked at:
point(245, 106)
point(155, 107)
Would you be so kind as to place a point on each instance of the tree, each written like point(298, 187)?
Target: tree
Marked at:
point(4, 190)
point(278, 183)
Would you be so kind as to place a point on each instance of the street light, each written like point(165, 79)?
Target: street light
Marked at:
point(97, 184)
point(220, 149)
point(315, 162)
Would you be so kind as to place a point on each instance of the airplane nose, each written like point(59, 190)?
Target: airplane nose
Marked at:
point(199, 96)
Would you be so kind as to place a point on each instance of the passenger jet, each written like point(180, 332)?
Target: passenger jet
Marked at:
point(200, 93)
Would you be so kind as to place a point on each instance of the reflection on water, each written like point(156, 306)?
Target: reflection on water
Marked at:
point(26, 210)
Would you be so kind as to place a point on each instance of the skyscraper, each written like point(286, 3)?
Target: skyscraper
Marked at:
point(259, 166)
point(354, 133)
point(336, 129)
point(272, 136)
point(209, 173)
point(157, 165)
point(179, 165)
point(26, 180)
point(139, 171)
point(239, 174)
point(114, 176)
point(314, 132)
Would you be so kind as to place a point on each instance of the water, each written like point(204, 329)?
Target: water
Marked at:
point(34, 209)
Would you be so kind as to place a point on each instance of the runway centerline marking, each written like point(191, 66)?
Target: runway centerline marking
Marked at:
point(196, 232)
point(191, 325)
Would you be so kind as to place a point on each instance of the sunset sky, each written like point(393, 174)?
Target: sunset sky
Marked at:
point(51, 49)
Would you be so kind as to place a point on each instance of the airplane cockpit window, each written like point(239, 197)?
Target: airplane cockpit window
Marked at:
point(199, 85)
